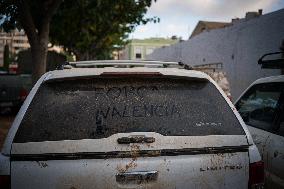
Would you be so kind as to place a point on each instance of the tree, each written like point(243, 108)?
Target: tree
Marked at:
point(34, 17)
point(91, 29)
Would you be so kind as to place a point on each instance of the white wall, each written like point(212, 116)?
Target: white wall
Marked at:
point(246, 40)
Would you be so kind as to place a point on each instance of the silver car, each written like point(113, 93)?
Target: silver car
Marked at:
point(149, 125)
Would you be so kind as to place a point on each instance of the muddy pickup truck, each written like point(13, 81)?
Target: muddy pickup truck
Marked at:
point(14, 89)
point(153, 125)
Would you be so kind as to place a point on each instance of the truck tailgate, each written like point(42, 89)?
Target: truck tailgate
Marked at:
point(169, 162)
point(186, 171)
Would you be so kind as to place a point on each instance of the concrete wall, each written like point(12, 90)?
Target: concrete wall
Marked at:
point(238, 47)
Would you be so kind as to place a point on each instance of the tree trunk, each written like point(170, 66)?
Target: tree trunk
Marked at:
point(39, 56)
point(39, 47)
point(38, 34)
point(6, 58)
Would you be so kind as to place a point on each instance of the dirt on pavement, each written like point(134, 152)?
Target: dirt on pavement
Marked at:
point(5, 124)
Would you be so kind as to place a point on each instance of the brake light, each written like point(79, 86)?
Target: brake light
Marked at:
point(230, 97)
point(256, 175)
point(23, 94)
point(5, 181)
point(123, 74)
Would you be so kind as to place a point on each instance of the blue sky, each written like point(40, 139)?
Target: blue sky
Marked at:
point(179, 17)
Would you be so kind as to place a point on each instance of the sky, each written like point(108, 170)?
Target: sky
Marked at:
point(179, 17)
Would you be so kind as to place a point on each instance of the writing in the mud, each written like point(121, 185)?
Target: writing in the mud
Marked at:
point(140, 111)
point(125, 91)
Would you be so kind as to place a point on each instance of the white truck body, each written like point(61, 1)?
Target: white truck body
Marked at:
point(131, 159)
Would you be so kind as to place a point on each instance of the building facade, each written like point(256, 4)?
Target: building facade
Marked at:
point(207, 26)
point(237, 47)
point(17, 41)
point(138, 49)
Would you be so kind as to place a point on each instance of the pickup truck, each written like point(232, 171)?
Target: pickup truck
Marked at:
point(154, 125)
point(14, 88)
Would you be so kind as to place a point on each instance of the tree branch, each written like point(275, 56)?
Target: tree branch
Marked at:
point(27, 22)
point(50, 8)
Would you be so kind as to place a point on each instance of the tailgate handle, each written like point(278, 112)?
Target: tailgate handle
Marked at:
point(135, 139)
point(137, 177)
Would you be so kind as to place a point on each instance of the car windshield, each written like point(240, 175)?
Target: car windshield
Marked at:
point(259, 105)
point(100, 107)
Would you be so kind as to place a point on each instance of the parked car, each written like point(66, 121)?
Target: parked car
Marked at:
point(14, 88)
point(154, 125)
point(262, 108)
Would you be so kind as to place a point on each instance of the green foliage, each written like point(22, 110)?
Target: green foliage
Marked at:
point(8, 14)
point(34, 17)
point(11, 12)
point(91, 29)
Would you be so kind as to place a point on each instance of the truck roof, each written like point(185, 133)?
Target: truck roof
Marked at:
point(82, 72)
point(278, 78)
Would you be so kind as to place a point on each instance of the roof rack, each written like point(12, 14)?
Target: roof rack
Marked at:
point(124, 63)
point(273, 63)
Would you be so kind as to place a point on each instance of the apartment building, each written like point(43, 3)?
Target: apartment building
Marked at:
point(17, 41)
point(138, 49)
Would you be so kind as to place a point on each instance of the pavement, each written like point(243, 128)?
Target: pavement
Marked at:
point(5, 124)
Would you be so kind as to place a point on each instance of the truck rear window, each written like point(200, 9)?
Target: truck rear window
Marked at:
point(97, 108)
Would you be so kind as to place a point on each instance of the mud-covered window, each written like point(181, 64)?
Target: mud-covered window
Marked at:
point(100, 107)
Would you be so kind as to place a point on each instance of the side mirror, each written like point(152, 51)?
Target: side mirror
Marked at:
point(275, 63)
